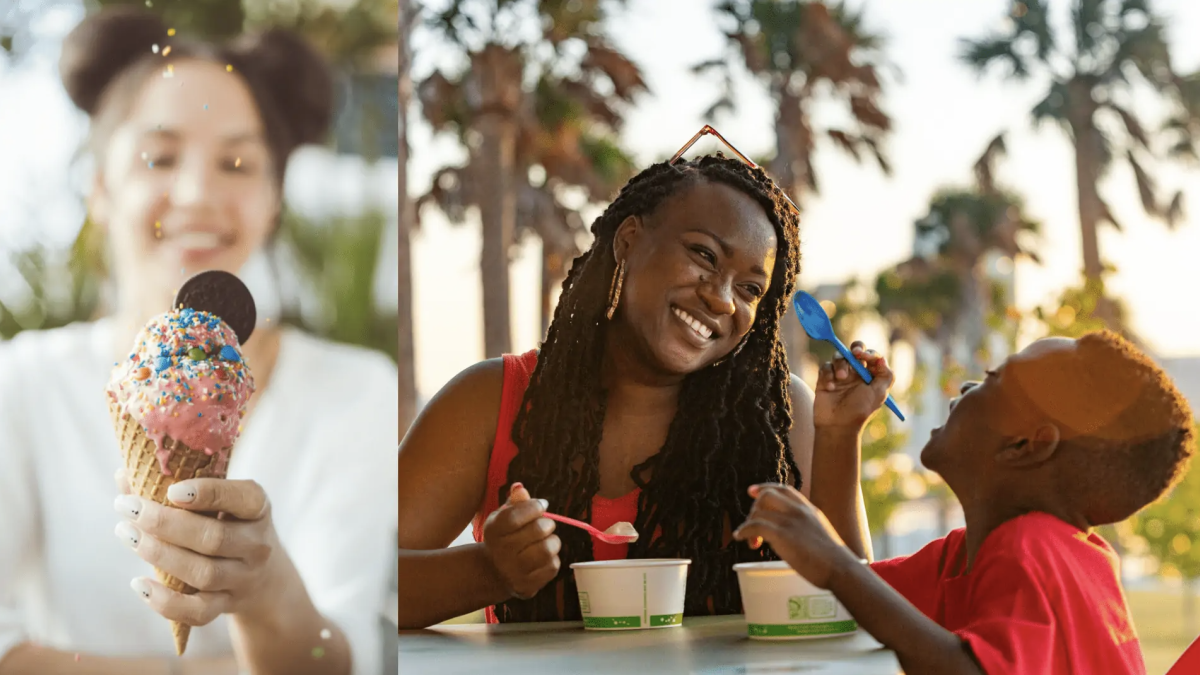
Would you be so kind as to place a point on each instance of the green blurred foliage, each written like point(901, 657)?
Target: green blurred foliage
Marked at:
point(888, 476)
point(1170, 528)
point(338, 260)
point(1074, 313)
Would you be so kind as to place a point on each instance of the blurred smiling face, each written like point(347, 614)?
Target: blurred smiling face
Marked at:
point(186, 181)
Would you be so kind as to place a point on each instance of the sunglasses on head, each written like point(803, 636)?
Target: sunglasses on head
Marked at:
point(707, 130)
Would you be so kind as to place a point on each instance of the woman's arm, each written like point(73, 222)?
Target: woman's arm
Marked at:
point(283, 638)
point(837, 490)
point(443, 474)
point(830, 459)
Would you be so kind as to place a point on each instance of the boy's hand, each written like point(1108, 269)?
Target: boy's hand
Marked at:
point(796, 530)
point(842, 398)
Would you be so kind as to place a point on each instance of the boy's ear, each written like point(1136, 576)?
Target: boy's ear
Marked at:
point(1030, 450)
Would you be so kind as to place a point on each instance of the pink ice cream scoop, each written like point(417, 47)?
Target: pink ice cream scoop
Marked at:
point(186, 380)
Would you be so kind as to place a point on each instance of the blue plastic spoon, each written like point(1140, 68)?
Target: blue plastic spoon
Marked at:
point(816, 323)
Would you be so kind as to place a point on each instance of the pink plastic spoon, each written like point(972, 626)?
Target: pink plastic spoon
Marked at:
point(613, 535)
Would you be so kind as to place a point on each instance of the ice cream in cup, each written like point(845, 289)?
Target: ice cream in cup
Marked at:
point(631, 594)
point(782, 605)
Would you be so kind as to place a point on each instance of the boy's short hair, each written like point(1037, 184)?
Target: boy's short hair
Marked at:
point(1132, 435)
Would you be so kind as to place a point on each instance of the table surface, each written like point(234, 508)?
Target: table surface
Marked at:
point(701, 646)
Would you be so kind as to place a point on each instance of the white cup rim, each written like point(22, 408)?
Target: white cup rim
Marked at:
point(631, 562)
point(771, 566)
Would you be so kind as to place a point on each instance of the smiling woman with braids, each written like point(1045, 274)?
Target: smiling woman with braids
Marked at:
point(660, 394)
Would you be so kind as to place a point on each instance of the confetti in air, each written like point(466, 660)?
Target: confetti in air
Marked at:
point(325, 634)
point(228, 68)
point(206, 106)
point(170, 71)
point(318, 652)
point(171, 32)
point(237, 162)
point(166, 50)
point(154, 48)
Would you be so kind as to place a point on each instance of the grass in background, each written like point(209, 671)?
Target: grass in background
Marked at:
point(1158, 617)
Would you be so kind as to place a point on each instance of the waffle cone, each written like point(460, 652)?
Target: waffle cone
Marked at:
point(147, 481)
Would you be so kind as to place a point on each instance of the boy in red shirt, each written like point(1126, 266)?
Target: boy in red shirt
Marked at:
point(1066, 435)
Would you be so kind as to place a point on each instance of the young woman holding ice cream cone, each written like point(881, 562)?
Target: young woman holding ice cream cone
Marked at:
point(190, 143)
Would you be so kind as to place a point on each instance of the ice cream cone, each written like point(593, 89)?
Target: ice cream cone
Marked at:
point(147, 480)
point(178, 400)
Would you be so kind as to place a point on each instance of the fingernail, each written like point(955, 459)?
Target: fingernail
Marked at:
point(128, 506)
point(128, 533)
point(545, 504)
point(516, 486)
point(181, 493)
point(140, 585)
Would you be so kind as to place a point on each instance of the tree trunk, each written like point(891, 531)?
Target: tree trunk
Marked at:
point(791, 174)
point(942, 497)
point(498, 73)
point(1190, 588)
point(1088, 153)
point(972, 324)
point(552, 279)
point(405, 357)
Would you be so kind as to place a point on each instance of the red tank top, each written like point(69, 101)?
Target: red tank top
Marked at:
point(605, 512)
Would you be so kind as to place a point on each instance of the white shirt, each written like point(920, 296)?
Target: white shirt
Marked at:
point(321, 442)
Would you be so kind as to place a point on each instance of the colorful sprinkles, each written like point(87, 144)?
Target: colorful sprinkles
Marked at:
point(185, 358)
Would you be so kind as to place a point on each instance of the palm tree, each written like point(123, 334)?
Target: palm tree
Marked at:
point(405, 361)
point(804, 52)
point(563, 124)
point(944, 293)
point(1116, 43)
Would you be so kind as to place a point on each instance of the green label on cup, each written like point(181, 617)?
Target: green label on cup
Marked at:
point(801, 629)
point(812, 607)
point(665, 620)
point(612, 622)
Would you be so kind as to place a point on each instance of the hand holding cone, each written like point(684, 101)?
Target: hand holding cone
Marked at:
point(177, 402)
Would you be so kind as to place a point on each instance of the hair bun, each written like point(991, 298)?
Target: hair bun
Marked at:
point(295, 76)
point(103, 45)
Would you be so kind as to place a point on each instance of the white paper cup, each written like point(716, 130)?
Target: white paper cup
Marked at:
point(782, 605)
point(631, 594)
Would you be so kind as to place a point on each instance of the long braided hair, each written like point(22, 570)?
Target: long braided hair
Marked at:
point(729, 432)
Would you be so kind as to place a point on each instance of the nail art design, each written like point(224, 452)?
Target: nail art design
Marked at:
point(181, 493)
point(143, 589)
point(128, 506)
point(128, 533)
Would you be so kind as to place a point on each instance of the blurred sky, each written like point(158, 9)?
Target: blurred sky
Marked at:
point(862, 222)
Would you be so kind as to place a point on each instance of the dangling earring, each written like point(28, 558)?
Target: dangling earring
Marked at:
point(614, 289)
